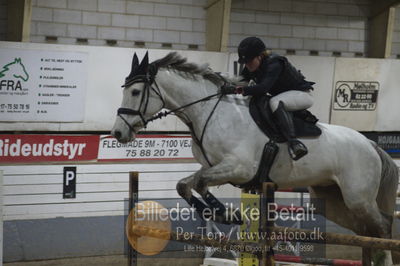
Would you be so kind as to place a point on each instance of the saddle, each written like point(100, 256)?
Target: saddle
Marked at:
point(305, 126)
point(304, 121)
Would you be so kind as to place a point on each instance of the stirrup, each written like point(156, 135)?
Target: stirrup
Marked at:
point(296, 149)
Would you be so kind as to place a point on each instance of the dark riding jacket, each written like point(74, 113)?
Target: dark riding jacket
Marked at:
point(274, 76)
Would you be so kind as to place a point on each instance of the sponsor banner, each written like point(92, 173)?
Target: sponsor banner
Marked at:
point(47, 148)
point(356, 95)
point(42, 86)
point(146, 147)
point(388, 141)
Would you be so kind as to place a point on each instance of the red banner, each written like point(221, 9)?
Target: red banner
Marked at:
point(48, 148)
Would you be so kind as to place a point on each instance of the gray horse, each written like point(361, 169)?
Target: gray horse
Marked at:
point(357, 179)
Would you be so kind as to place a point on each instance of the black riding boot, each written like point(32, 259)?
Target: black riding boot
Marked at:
point(285, 122)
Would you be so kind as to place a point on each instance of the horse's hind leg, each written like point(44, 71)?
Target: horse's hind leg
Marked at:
point(335, 208)
point(362, 202)
point(360, 198)
point(337, 211)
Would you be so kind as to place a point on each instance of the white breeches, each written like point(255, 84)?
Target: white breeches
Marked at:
point(294, 100)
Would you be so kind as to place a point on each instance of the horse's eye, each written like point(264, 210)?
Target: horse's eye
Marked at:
point(135, 92)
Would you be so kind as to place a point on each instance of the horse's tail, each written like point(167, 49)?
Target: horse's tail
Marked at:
point(387, 193)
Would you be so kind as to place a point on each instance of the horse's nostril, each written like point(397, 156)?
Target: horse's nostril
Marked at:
point(117, 134)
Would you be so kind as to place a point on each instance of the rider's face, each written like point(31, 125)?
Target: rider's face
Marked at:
point(253, 64)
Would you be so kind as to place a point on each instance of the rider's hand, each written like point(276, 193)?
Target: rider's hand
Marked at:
point(228, 89)
point(231, 89)
point(239, 90)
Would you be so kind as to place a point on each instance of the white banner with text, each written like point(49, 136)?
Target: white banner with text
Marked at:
point(42, 86)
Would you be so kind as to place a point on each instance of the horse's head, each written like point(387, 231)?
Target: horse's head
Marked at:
point(141, 100)
point(15, 69)
point(19, 70)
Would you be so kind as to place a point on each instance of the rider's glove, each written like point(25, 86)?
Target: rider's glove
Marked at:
point(228, 89)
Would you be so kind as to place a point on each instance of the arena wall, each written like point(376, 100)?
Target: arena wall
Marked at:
point(337, 27)
point(107, 67)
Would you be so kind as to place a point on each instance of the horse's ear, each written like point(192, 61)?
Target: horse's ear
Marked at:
point(144, 65)
point(135, 60)
point(134, 67)
point(135, 63)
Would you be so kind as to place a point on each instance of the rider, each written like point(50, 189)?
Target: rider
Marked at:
point(273, 74)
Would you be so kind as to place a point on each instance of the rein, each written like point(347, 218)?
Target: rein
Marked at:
point(163, 114)
point(149, 80)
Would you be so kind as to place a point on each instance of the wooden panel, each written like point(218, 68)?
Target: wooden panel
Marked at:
point(55, 188)
point(19, 20)
point(217, 25)
point(86, 187)
point(66, 208)
point(13, 200)
point(100, 168)
point(79, 209)
point(381, 32)
point(60, 213)
point(92, 178)
point(57, 198)
point(35, 192)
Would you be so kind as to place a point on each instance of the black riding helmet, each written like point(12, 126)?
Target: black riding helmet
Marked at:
point(249, 48)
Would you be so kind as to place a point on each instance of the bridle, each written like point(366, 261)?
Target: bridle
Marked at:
point(149, 79)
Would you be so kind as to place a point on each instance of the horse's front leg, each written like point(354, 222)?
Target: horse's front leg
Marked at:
point(184, 189)
point(228, 171)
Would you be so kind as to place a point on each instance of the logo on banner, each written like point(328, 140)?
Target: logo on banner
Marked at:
point(343, 94)
point(356, 95)
point(12, 75)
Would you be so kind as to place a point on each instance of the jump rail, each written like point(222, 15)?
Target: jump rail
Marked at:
point(319, 261)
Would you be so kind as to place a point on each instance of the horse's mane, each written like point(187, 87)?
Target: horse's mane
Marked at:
point(174, 61)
